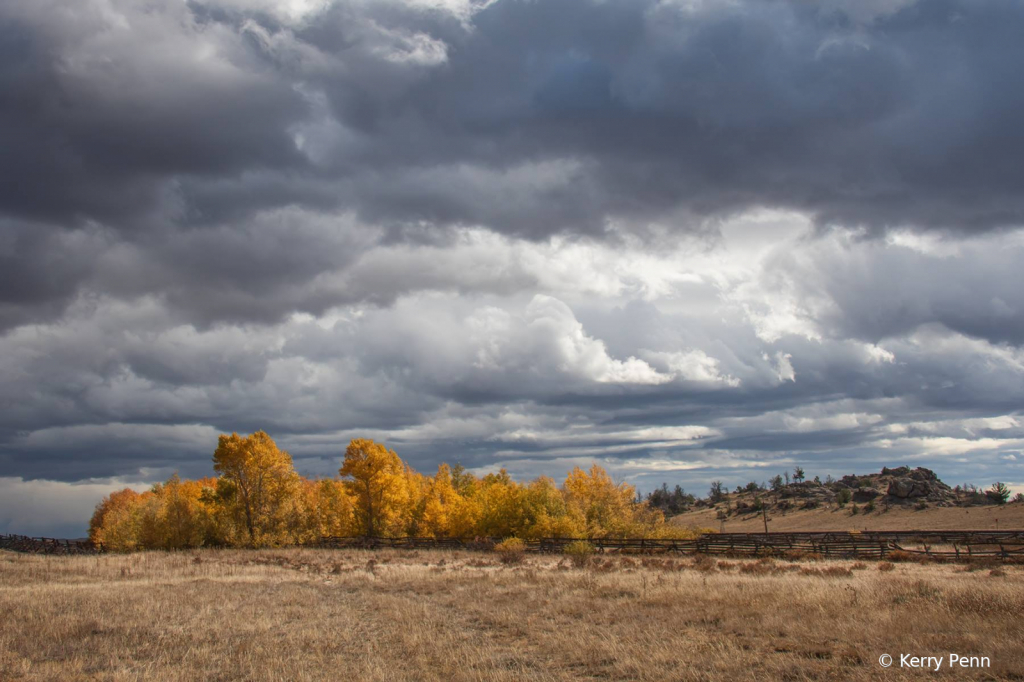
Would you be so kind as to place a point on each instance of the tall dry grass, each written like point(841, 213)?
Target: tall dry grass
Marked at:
point(351, 615)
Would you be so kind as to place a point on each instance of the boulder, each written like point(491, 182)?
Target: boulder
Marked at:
point(865, 494)
point(907, 488)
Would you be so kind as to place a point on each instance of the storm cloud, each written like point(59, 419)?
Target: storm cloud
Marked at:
point(688, 239)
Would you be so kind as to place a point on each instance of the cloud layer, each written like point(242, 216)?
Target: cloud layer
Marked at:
point(689, 239)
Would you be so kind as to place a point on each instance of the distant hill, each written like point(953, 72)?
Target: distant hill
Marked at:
point(891, 499)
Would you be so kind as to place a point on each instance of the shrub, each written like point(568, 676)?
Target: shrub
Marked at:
point(1019, 497)
point(843, 496)
point(869, 507)
point(827, 572)
point(885, 566)
point(756, 568)
point(511, 550)
point(921, 505)
point(579, 553)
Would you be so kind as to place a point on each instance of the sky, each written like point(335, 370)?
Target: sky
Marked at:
point(689, 240)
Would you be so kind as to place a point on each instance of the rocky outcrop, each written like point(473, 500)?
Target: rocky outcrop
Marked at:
point(897, 486)
point(917, 484)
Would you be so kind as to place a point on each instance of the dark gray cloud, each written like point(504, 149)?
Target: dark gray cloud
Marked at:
point(903, 115)
point(688, 239)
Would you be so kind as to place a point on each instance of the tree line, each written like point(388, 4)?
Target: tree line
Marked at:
point(258, 499)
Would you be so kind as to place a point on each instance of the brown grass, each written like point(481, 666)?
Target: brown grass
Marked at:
point(351, 615)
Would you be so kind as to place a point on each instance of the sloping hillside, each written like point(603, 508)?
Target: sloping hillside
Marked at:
point(892, 499)
point(835, 518)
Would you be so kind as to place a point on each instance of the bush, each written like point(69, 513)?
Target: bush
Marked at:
point(1019, 497)
point(757, 568)
point(511, 550)
point(843, 496)
point(827, 572)
point(869, 507)
point(579, 553)
point(885, 566)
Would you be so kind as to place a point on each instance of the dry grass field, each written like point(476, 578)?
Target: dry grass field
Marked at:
point(354, 615)
point(897, 518)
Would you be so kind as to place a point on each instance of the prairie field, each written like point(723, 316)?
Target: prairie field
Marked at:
point(306, 614)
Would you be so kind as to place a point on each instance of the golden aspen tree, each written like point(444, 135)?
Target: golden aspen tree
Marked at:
point(180, 516)
point(326, 510)
point(547, 515)
point(117, 521)
point(446, 513)
point(607, 508)
point(464, 482)
point(258, 486)
point(407, 513)
point(438, 504)
point(502, 512)
point(379, 483)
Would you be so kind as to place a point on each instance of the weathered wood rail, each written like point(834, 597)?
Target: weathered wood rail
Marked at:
point(956, 545)
point(1007, 545)
point(29, 545)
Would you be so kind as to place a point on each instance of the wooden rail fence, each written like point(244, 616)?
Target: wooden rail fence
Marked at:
point(28, 545)
point(954, 545)
point(937, 544)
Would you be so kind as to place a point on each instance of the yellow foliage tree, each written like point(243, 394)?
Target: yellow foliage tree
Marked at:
point(446, 513)
point(380, 484)
point(606, 508)
point(257, 487)
point(502, 506)
point(547, 515)
point(326, 509)
point(179, 516)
